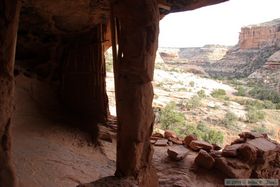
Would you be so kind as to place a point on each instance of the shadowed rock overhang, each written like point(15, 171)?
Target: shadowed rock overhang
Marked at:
point(63, 16)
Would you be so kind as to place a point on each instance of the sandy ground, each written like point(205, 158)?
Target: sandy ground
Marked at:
point(49, 153)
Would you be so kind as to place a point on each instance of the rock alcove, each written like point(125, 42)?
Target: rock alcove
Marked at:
point(63, 43)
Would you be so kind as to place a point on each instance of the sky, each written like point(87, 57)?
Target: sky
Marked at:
point(217, 24)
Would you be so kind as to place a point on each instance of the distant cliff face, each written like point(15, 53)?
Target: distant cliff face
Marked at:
point(258, 36)
point(207, 53)
point(253, 53)
point(269, 73)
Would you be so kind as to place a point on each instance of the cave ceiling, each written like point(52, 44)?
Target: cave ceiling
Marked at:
point(68, 16)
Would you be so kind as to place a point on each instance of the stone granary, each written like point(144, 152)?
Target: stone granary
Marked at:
point(64, 41)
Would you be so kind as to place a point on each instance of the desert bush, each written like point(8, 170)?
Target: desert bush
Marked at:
point(218, 93)
point(192, 129)
point(170, 117)
point(254, 115)
point(250, 103)
point(201, 94)
point(241, 91)
point(235, 82)
point(191, 83)
point(214, 137)
point(201, 131)
point(263, 129)
point(109, 65)
point(230, 120)
point(269, 105)
point(182, 89)
point(202, 127)
point(262, 93)
point(192, 103)
point(277, 106)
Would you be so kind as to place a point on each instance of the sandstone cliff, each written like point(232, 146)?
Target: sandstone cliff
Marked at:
point(258, 36)
point(207, 53)
point(269, 74)
point(256, 44)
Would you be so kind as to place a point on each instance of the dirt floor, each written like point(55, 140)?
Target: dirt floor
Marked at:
point(49, 153)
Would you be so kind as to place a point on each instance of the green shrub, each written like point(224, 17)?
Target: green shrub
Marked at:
point(182, 89)
point(193, 102)
point(263, 129)
point(170, 117)
point(254, 115)
point(269, 105)
point(251, 103)
point(191, 83)
point(214, 137)
point(201, 94)
point(109, 66)
point(235, 82)
point(192, 129)
point(265, 94)
point(202, 127)
point(218, 93)
point(230, 120)
point(240, 91)
point(201, 131)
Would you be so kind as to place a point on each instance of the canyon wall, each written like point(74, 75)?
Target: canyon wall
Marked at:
point(207, 53)
point(258, 36)
point(256, 44)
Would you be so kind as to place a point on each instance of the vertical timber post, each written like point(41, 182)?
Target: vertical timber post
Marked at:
point(9, 18)
point(138, 28)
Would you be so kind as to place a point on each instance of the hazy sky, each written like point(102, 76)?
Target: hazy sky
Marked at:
point(218, 24)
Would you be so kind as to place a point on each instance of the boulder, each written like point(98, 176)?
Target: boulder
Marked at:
point(266, 150)
point(188, 139)
point(176, 141)
point(196, 145)
point(238, 141)
point(231, 150)
point(267, 173)
point(204, 160)
point(169, 134)
point(177, 153)
point(161, 142)
point(233, 168)
point(215, 154)
point(157, 135)
point(216, 147)
point(247, 153)
point(154, 138)
point(252, 135)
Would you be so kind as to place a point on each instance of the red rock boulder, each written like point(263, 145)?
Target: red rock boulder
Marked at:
point(169, 134)
point(188, 139)
point(177, 153)
point(196, 145)
point(204, 160)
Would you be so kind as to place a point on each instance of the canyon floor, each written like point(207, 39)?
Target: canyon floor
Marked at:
point(180, 86)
